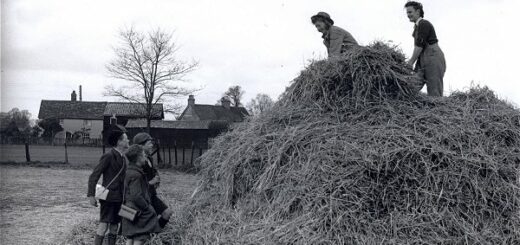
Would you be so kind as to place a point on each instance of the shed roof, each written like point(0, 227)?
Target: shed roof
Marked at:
point(170, 124)
point(132, 110)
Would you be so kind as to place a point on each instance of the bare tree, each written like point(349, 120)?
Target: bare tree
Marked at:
point(260, 104)
point(235, 94)
point(147, 61)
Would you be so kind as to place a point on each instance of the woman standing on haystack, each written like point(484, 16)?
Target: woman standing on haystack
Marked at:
point(427, 56)
point(336, 39)
point(137, 196)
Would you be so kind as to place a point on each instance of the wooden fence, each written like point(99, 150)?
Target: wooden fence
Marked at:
point(175, 155)
point(49, 141)
point(166, 156)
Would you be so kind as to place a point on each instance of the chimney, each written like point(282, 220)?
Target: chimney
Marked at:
point(80, 93)
point(191, 100)
point(73, 95)
point(225, 102)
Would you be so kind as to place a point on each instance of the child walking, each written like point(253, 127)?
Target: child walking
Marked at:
point(137, 196)
point(152, 175)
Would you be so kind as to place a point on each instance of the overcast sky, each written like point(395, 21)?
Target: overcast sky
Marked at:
point(51, 47)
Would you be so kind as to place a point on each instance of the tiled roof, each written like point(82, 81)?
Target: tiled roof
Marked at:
point(66, 109)
point(207, 124)
point(132, 110)
point(217, 112)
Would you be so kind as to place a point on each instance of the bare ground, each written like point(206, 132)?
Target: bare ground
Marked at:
point(44, 205)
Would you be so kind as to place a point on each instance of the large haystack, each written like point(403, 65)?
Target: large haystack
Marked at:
point(352, 155)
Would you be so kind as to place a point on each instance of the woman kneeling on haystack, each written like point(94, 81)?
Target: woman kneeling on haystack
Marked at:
point(137, 196)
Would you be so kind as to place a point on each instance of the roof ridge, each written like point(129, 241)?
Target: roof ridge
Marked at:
point(77, 101)
point(219, 106)
point(118, 102)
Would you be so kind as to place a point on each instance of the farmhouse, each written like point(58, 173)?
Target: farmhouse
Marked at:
point(75, 116)
point(92, 118)
point(224, 112)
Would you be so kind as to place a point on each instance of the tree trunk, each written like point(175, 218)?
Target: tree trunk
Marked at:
point(27, 155)
point(148, 125)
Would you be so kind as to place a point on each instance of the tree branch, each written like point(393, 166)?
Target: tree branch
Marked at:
point(148, 62)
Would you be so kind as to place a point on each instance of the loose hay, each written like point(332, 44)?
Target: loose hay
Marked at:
point(84, 233)
point(361, 76)
point(351, 154)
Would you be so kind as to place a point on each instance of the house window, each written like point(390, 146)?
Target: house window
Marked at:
point(86, 135)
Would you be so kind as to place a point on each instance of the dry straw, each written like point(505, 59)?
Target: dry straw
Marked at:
point(352, 154)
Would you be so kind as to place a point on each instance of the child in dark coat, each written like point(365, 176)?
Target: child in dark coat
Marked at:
point(137, 196)
point(152, 175)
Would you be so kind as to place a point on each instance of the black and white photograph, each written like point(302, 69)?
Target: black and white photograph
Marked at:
point(259, 122)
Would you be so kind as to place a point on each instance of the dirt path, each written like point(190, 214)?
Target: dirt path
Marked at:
point(41, 205)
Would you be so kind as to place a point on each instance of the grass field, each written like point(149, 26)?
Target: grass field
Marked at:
point(80, 155)
point(43, 205)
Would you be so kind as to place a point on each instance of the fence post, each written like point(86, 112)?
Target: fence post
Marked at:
point(175, 148)
point(192, 150)
point(66, 153)
point(183, 155)
point(169, 155)
point(27, 155)
point(164, 154)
